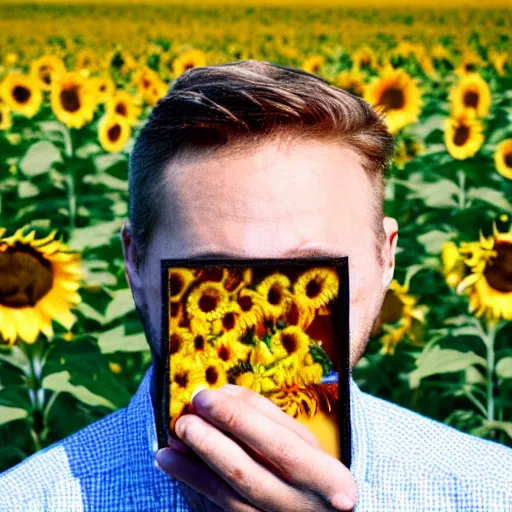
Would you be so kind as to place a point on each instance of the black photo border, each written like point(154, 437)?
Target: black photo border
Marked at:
point(341, 329)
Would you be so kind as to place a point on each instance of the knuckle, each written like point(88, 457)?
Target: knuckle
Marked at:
point(230, 414)
point(287, 453)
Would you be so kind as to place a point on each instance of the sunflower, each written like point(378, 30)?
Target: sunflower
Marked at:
point(102, 87)
point(397, 95)
point(213, 373)
point(440, 53)
point(351, 81)
point(188, 60)
point(86, 59)
point(176, 313)
point(179, 281)
point(72, 99)
point(313, 64)
point(503, 158)
point(122, 60)
point(291, 342)
point(5, 117)
point(39, 283)
point(499, 61)
point(186, 374)
point(316, 287)
point(229, 350)
point(208, 301)
point(489, 285)
point(236, 278)
point(21, 94)
point(471, 93)
point(229, 321)
point(463, 135)
point(150, 86)
point(275, 290)
point(364, 58)
point(124, 104)
point(469, 63)
point(113, 132)
point(406, 150)
point(251, 306)
point(10, 59)
point(400, 316)
point(181, 341)
point(260, 379)
point(45, 68)
point(261, 354)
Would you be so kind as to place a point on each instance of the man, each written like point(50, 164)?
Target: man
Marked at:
point(254, 160)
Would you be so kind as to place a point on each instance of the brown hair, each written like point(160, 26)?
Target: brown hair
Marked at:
point(234, 105)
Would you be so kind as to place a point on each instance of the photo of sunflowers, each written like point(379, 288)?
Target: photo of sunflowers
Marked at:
point(272, 327)
point(77, 82)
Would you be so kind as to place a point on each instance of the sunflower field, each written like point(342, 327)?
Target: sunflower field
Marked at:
point(78, 80)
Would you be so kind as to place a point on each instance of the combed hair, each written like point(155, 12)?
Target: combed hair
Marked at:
point(241, 104)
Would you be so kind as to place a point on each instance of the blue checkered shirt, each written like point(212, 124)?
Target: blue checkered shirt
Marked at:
point(401, 461)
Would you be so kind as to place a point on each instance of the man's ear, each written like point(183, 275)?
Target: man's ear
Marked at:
point(389, 250)
point(130, 262)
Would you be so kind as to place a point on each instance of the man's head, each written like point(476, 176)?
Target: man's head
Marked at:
point(256, 160)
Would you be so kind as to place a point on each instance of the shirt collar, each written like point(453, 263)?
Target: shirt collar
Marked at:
point(140, 410)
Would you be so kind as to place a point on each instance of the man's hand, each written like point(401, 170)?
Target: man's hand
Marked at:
point(258, 457)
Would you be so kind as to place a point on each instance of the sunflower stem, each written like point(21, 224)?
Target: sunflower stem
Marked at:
point(462, 189)
point(70, 181)
point(489, 343)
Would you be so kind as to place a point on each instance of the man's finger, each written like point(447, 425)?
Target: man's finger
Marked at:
point(271, 410)
point(200, 477)
point(306, 466)
point(237, 468)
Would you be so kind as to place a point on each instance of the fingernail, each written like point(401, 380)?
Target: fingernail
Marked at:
point(342, 502)
point(165, 458)
point(196, 391)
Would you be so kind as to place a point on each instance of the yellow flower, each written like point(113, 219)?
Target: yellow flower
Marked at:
point(364, 58)
point(469, 63)
point(10, 59)
point(397, 95)
point(102, 87)
point(123, 104)
point(275, 291)
point(463, 135)
point(352, 81)
point(489, 285)
point(208, 301)
point(259, 380)
point(499, 61)
point(188, 60)
point(503, 158)
point(86, 59)
point(229, 350)
point(251, 306)
point(39, 279)
point(72, 99)
point(113, 132)
point(115, 367)
point(181, 341)
point(400, 315)
point(21, 94)
point(291, 341)
point(179, 281)
point(5, 118)
point(313, 64)
point(454, 269)
point(230, 320)
point(261, 354)
point(472, 94)
point(45, 68)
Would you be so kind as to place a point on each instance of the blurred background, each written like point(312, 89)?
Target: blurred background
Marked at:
point(77, 80)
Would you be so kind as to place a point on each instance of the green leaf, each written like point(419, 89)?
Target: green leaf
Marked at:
point(435, 360)
point(26, 189)
point(108, 181)
point(15, 356)
point(504, 368)
point(104, 162)
point(88, 150)
point(60, 382)
point(121, 305)
point(11, 414)
point(490, 196)
point(94, 236)
point(433, 240)
point(439, 194)
point(115, 340)
point(39, 158)
point(506, 426)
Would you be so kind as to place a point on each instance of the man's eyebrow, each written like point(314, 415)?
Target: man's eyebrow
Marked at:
point(293, 253)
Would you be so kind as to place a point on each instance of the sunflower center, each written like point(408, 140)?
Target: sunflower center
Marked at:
point(313, 288)
point(212, 375)
point(508, 160)
point(69, 99)
point(499, 272)
point(392, 308)
point(26, 277)
point(275, 295)
point(181, 379)
point(208, 301)
point(188, 65)
point(245, 303)
point(223, 353)
point(21, 94)
point(114, 133)
point(45, 74)
point(393, 98)
point(175, 309)
point(175, 284)
point(228, 321)
point(289, 342)
point(199, 342)
point(121, 109)
point(233, 280)
point(471, 99)
point(174, 343)
point(461, 135)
